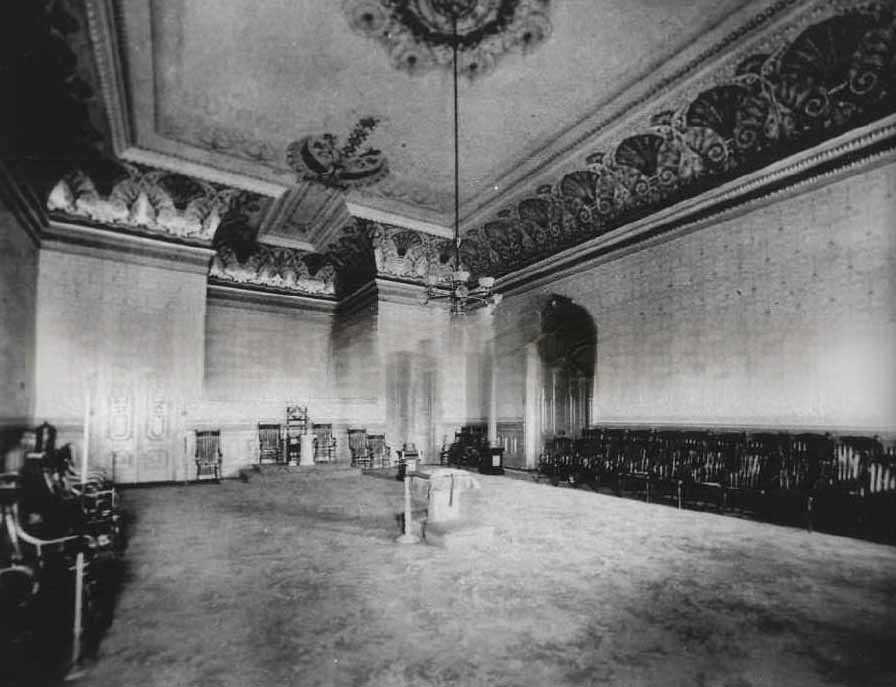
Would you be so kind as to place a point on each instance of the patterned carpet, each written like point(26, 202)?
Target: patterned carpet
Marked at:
point(293, 579)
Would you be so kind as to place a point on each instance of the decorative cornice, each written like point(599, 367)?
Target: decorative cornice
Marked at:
point(107, 244)
point(834, 76)
point(568, 144)
point(279, 270)
point(385, 290)
point(152, 158)
point(242, 296)
point(363, 210)
point(411, 256)
point(708, 92)
point(142, 200)
point(103, 31)
point(406, 293)
point(853, 153)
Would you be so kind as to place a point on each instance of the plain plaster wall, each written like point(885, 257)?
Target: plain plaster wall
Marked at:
point(781, 317)
point(18, 295)
point(130, 333)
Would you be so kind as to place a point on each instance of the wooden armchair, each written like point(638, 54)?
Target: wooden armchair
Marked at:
point(362, 456)
point(270, 443)
point(208, 453)
point(380, 452)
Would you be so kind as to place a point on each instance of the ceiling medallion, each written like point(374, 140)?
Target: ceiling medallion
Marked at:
point(420, 34)
point(318, 158)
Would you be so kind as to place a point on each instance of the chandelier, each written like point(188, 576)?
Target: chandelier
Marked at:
point(459, 292)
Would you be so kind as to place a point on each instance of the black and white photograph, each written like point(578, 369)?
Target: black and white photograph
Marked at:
point(448, 343)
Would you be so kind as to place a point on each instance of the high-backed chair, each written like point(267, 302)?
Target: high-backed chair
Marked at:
point(208, 453)
point(380, 452)
point(296, 426)
point(324, 443)
point(270, 443)
point(359, 449)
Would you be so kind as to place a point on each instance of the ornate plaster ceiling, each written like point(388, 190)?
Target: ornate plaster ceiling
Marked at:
point(779, 87)
point(227, 87)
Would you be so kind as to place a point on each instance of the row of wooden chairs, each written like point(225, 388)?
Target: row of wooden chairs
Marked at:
point(472, 449)
point(855, 475)
point(48, 516)
point(278, 444)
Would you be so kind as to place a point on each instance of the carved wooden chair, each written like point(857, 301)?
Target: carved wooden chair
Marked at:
point(270, 443)
point(296, 426)
point(208, 453)
point(324, 443)
point(359, 449)
point(379, 451)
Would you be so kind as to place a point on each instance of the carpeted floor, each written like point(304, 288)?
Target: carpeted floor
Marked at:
point(294, 579)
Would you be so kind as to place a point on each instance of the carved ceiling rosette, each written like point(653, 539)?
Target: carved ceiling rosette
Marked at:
point(419, 34)
point(320, 159)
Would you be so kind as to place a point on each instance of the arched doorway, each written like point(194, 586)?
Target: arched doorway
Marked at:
point(565, 356)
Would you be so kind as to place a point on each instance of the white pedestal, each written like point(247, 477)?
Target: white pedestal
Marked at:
point(307, 455)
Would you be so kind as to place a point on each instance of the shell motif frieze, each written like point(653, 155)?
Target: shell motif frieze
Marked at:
point(369, 249)
point(278, 269)
point(411, 255)
point(143, 200)
point(837, 74)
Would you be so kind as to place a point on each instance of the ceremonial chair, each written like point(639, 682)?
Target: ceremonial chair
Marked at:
point(359, 448)
point(324, 443)
point(270, 443)
point(208, 453)
point(379, 451)
point(296, 426)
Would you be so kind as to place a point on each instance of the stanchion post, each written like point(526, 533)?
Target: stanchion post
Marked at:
point(75, 672)
point(408, 537)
